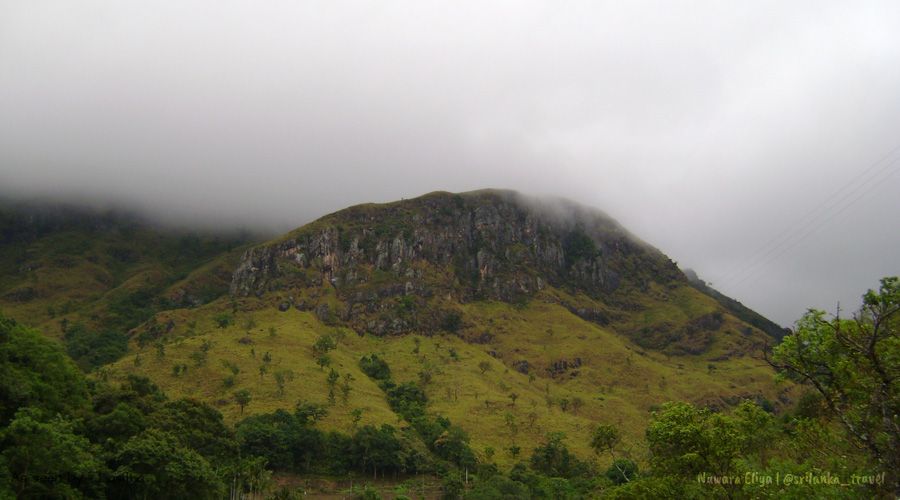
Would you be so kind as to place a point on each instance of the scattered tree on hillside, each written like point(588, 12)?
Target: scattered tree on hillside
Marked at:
point(223, 320)
point(282, 377)
point(576, 403)
point(345, 387)
point(323, 345)
point(511, 423)
point(356, 415)
point(242, 398)
point(333, 377)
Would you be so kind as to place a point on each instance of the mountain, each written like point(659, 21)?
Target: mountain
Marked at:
point(513, 316)
point(107, 270)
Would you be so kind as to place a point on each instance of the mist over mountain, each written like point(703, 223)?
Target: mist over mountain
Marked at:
point(469, 250)
point(708, 131)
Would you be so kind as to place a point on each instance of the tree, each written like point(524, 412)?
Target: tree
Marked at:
point(91, 349)
point(115, 427)
point(453, 445)
point(576, 403)
point(513, 397)
point(154, 465)
point(425, 376)
point(377, 448)
point(511, 423)
point(281, 378)
point(308, 413)
point(324, 344)
point(242, 398)
point(333, 377)
point(198, 426)
point(223, 320)
point(554, 459)
point(357, 414)
point(375, 367)
point(622, 471)
point(605, 439)
point(685, 441)
point(47, 459)
point(484, 366)
point(345, 387)
point(854, 364)
point(35, 372)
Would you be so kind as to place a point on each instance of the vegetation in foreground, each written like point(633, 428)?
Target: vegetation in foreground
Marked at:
point(66, 436)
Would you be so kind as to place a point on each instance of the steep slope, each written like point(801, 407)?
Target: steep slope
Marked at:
point(485, 245)
point(735, 307)
point(517, 317)
point(108, 271)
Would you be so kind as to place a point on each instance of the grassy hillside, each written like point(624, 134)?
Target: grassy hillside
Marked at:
point(107, 272)
point(616, 381)
point(516, 324)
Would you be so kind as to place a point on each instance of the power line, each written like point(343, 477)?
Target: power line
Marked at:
point(811, 230)
point(829, 203)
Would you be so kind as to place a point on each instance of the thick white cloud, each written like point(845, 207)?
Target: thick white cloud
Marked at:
point(708, 128)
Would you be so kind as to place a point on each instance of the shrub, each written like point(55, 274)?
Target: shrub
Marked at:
point(375, 367)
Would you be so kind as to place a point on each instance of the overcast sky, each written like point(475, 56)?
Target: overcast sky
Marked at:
point(741, 138)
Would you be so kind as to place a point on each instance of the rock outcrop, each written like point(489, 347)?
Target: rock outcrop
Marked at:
point(494, 245)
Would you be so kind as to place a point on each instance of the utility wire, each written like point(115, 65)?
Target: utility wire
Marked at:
point(811, 229)
point(821, 210)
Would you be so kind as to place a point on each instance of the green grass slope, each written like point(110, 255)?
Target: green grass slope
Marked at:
point(108, 271)
point(516, 321)
point(578, 373)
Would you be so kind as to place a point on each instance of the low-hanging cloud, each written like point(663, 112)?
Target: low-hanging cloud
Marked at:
point(706, 128)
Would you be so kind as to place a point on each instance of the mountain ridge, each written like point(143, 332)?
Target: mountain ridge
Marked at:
point(478, 299)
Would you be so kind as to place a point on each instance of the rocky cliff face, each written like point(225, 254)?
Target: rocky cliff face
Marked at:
point(482, 245)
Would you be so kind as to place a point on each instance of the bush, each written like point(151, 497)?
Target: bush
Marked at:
point(375, 367)
point(91, 349)
point(498, 487)
point(407, 399)
point(622, 471)
point(223, 320)
point(451, 322)
point(577, 245)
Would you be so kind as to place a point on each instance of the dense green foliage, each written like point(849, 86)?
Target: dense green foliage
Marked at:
point(375, 367)
point(34, 372)
point(63, 436)
point(92, 349)
point(854, 366)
